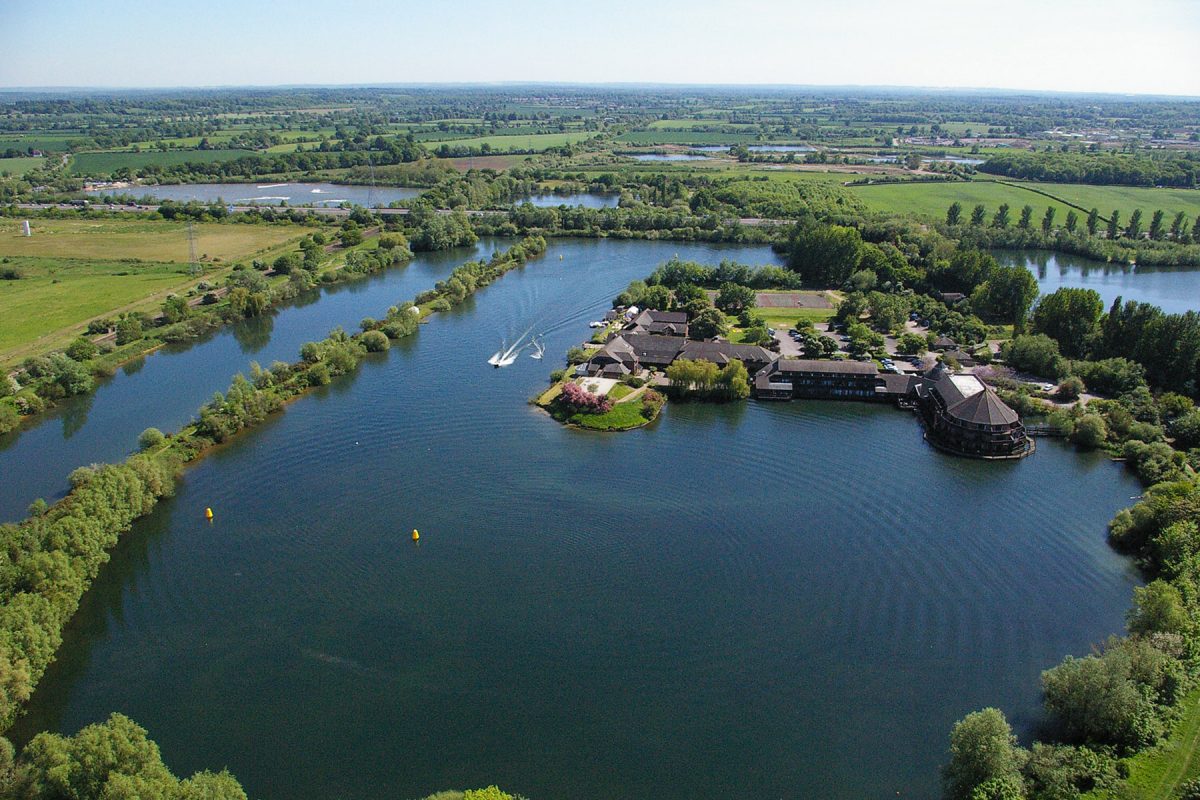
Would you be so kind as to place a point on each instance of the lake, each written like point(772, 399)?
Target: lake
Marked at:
point(294, 194)
point(783, 600)
point(759, 148)
point(1174, 289)
point(585, 199)
point(166, 389)
point(666, 157)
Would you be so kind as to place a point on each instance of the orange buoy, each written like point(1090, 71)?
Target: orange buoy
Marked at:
point(208, 515)
point(416, 535)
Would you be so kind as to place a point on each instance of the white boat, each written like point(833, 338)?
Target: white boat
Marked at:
point(596, 324)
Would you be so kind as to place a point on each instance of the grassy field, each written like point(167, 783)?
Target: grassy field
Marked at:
point(104, 163)
point(534, 141)
point(112, 239)
point(932, 199)
point(55, 293)
point(1157, 773)
point(75, 270)
point(19, 166)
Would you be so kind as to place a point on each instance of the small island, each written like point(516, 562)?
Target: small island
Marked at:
point(639, 356)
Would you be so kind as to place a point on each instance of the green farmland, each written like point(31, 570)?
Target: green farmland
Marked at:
point(107, 162)
point(932, 199)
point(19, 166)
point(534, 141)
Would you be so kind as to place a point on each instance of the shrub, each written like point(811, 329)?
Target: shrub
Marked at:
point(375, 341)
point(1090, 431)
point(1069, 389)
point(82, 349)
point(150, 439)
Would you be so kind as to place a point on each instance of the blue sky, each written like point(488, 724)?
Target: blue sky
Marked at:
point(1151, 46)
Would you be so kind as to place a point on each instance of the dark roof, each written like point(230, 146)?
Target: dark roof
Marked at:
point(952, 297)
point(654, 315)
point(898, 384)
point(723, 352)
point(944, 341)
point(983, 407)
point(831, 367)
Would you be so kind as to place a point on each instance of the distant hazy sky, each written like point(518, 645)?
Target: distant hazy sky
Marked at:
point(1138, 46)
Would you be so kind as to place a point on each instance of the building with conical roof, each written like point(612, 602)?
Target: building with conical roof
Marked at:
point(965, 416)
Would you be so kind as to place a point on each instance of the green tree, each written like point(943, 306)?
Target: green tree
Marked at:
point(1006, 295)
point(1048, 220)
point(288, 262)
point(1111, 698)
point(1035, 353)
point(982, 749)
point(978, 214)
point(1157, 230)
point(658, 298)
point(825, 255)
point(1114, 225)
point(1179, 227)
point(1001, 219)
point(1134, 229)
point(129, 329)
point(1093, 221)
point(113, 759)
point(81, 349)
point(1026, 220)
point(708, 324)
point(1090, 431)
point(1072, 221)
point(1157, 608)
point(954, 213)
point(150, 438)
point(1069, 316)
point(175, 309)
point(734, 298)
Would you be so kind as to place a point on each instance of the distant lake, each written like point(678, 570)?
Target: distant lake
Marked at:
point(294, 194)
point(759, 148)
point(667, 157)
point(585, 199)
point(1174, 289)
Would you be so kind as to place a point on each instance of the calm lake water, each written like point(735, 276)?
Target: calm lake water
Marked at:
point(759, 148)
point(1174, 289)
point(667, 157)
point(585, 199)
point(777, 600)
point(294, 194)
point(165, 389)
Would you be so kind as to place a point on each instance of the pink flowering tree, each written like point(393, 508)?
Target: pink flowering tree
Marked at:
point(578, 399)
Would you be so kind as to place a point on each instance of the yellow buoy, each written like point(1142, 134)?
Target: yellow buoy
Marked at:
point(208, 513)
point(416, 535)
point(560, 257)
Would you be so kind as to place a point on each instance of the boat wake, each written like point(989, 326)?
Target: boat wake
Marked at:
point(506, 356)
point(271, 185)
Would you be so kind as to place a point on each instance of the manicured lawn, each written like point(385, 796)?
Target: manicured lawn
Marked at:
point(786, 317)
point(106, 162)
point(619, 391)
point(140, 239)
point(623, 416)
point(932, 199)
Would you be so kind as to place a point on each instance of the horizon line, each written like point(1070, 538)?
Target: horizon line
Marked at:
point(71, 88)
